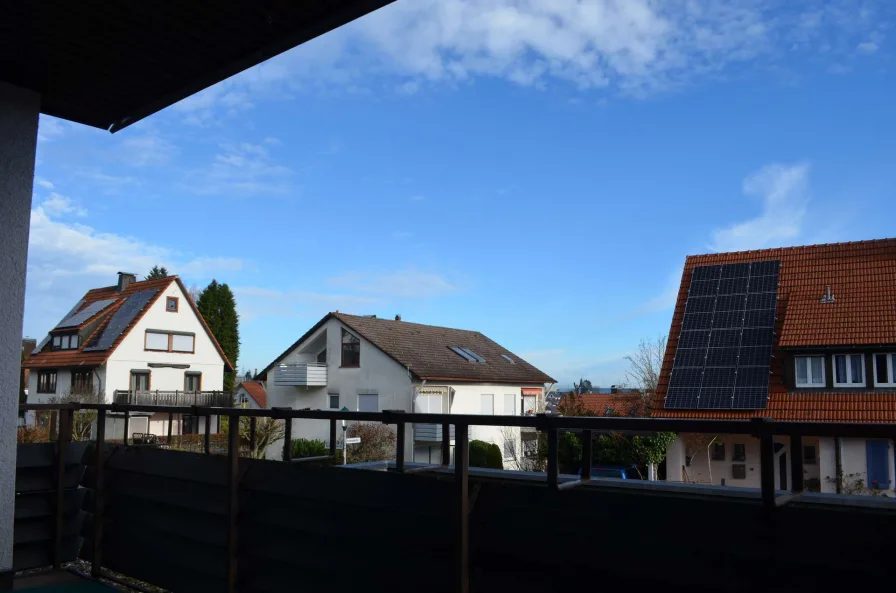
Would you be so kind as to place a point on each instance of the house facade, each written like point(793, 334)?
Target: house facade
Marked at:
point(135, 342)
point(829, 347)
point(369, 364)
point(251, 395)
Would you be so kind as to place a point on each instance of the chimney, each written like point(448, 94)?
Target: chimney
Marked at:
point(398, 318)
point(125, 279)
point(614, 389)
point(828, 296)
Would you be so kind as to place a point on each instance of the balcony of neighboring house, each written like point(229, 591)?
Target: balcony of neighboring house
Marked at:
point(218, 399)
point(301, 374)
point(431, 433)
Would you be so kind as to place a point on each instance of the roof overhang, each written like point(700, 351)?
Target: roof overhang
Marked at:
point(110, 64)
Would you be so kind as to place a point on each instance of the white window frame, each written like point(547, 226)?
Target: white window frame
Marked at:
point(796, 374)
point(849, 383)
point(891, 368)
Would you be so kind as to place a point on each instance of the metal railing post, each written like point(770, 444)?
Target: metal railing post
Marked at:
point(399, 447)
point(332, 436)
point(252, 423)
point(208, 434)
point(587, 449)
point(796, 464)
point(553, 459)
point(64, 435)
point(170, 422)
point(98, 495)
point(233, 466)
point(287, 440)
point(766, 463)
point(127, 422)
point(461, 484)
point(446, 444)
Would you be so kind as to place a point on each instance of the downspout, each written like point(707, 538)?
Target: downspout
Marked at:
point(709, 459)
point(838, 461)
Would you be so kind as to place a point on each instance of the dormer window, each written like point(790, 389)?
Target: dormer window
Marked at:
point(810, 371)
point(885, 370)
point(849, 370)
point(66, 341)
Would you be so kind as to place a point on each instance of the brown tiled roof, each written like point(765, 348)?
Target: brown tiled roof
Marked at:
point(424, 349)
point(47, 358)
point(862, 277)
point(622, 404)
point(256, 391)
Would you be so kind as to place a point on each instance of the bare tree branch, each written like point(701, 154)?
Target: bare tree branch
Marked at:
point(646, 365)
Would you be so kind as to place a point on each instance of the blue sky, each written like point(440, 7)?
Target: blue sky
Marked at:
point(533, 170)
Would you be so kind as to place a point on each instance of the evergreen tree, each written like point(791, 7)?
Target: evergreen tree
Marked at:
point(218, 307)
point(156, 273)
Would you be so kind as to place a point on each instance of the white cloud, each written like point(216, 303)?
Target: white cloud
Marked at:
point(110, 183)
point(867, 47)
point(784, 193)
point(241, 169)
point(404, 284)
point(57, 205)
point(566, 366)
point(66, 259)
point(49, 128)
point(255, 301)
point(146, 150)
point(44, 183)
point(629, 47)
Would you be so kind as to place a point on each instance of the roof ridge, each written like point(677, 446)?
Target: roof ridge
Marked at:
point(770, 250)
point(386, 319)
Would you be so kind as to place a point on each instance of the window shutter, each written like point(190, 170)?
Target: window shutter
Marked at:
point(877, 455)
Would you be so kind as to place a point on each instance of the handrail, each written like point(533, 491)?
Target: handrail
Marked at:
point(755, 427)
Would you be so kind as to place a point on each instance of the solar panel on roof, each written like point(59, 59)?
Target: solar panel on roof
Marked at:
point(715, 398)
point(121, 319)
point(85, 314)
point(723, 353)
point(693, 339)
point(46, 340)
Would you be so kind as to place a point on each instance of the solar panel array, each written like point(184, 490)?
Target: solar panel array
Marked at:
point(723, 356)
point(121, 319)
point(85, 314)
point(46, 340)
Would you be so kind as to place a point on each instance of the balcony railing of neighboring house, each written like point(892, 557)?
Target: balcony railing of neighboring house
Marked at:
point(431, 433)
point(216, 399)
point(303, 374)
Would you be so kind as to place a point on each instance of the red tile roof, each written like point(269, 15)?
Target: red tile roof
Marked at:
point(256, 391)
point(862, 277)
point(621, 404)
point(47, 358)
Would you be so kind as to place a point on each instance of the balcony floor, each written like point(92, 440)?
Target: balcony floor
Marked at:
point(58, 582)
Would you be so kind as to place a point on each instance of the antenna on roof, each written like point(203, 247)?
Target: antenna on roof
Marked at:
point(828, 296)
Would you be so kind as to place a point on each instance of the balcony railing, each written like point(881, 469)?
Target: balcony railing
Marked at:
point(303, 374)
point(431, 433)
point(216, 399)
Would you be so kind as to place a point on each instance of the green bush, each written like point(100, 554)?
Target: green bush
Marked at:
point(484, 454)
point(309, 448)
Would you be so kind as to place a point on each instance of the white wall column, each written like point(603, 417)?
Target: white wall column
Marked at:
point(19, 111)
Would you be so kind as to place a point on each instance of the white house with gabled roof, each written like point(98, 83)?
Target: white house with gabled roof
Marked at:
point(135, 342)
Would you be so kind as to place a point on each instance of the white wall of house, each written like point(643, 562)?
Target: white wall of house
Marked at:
point(853, 458)
point(470, 398)
point(131, 353)
point(377, 374)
